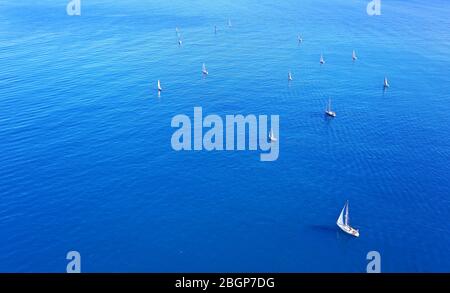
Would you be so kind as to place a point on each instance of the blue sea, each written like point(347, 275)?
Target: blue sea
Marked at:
point(85, 140)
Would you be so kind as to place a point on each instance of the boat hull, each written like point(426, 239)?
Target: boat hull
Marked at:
point(330, 113)
point(349, 230)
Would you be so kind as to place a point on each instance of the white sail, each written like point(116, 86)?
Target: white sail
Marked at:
point(329, 107)
point(159, 86)
point(346, 215)
point(204, 69)
point(354, 55)
point(322, 61)
point(300, 39)
point(343, 222)
point(229, 22)
point(272, 136)
point(328, 110)
point(289, 76)
point(340, 220)
point(386, 83)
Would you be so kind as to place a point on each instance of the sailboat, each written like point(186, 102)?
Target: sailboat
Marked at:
point(159, 86)
point(386, 83)
point(272, 136)
point(344, 223)
point(328, 110)
point(204, 70)
point(290, 76)
point(229, 23)
point(180, 42)
point(322, 61)
point(354, 57)
point(300, 39)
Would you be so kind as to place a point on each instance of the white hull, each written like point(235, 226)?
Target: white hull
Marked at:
point(349, 230)
point(330, 113)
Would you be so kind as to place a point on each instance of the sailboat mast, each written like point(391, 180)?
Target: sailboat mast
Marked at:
point(346, 214)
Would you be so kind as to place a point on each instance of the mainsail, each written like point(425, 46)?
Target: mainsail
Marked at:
point(340, 221)
point(346, 215)
point(159, 86)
